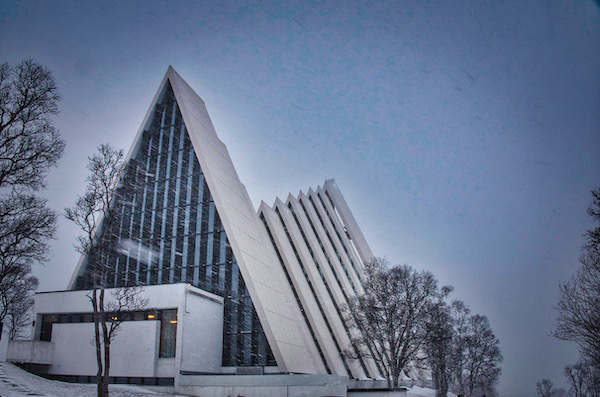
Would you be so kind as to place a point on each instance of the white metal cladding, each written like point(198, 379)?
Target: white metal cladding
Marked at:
point(299, 283)
point(334, 320)
point(348, 219)
point(314, 234)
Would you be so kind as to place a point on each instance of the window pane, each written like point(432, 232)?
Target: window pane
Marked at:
point(168, 333)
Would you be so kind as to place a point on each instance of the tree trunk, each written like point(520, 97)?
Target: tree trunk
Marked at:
point(440, 384)
point(395, 376)
point(442, 389)
point(100, 391)
point(106, 367)
point(106, 340)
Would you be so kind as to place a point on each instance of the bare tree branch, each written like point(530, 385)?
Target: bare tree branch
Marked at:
point(29, 146)
point(579, 304)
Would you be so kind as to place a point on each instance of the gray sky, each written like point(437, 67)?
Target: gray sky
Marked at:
point(464, 135)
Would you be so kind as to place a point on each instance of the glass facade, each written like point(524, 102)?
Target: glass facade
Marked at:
point(168, 231)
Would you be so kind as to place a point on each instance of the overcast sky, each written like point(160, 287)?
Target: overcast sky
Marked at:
point(465, 137)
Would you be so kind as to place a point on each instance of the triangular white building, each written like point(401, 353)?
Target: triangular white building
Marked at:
point(234, 294)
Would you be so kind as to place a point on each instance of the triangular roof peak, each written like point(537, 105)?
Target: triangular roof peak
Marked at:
point(176, 79)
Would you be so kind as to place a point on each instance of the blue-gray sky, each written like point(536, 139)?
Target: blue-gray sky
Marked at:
point(464, 135)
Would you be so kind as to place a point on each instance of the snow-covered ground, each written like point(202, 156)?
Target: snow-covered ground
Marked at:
point(15, 382)
point(417, 391)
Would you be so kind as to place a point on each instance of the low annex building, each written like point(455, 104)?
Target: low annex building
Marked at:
point(240, 302)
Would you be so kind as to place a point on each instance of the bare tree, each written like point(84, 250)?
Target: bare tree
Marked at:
point(577, 375)
point(593, 235)
point(19, 301)
point(583, 379)
point(482, 357)
point(439, 349)
point(392, 314)
point(29, 143)
point(579, 304)
point(460, 314)
point(544, 388)
point(95, 214)
point(29, 147)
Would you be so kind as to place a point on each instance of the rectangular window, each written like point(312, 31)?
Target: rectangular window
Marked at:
point(46, 328)
point(168, 333)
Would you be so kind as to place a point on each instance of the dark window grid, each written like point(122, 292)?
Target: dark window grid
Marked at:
point(202, 260)
point(238, 310)
point(221, 266)
point(120, 273)
point(144, 227)
point(185, 241)
point(196, 261)
point(181, 206)
point(136, 227)
point(166, 200)
point(203, 234)
point(327, 287)
point(165, 153)
point(176, 269)
point(167, 250)
point(235, 274)
point(145, 194)
point(130, 214)
point(121, 219)
point(228, 268)
point(216, 259)
point(183, 212)
point(88, 317)
point(125, 220)
point(147, 277)
point(241, 308)
point(153, 275)
point(310, 328)
point(222, 258)
point(155, 193)
point(229, 351)
point(71, 318)
point(156, 118)
point(174, 151)
point(110, 276)
point(341, 241)
point(171, 156)
point(247, 336)
point(262, 347)
point(152, 154)
point(191, 249)
point(175, 213)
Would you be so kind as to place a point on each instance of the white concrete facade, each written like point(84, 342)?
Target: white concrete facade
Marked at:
point(71, 349)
